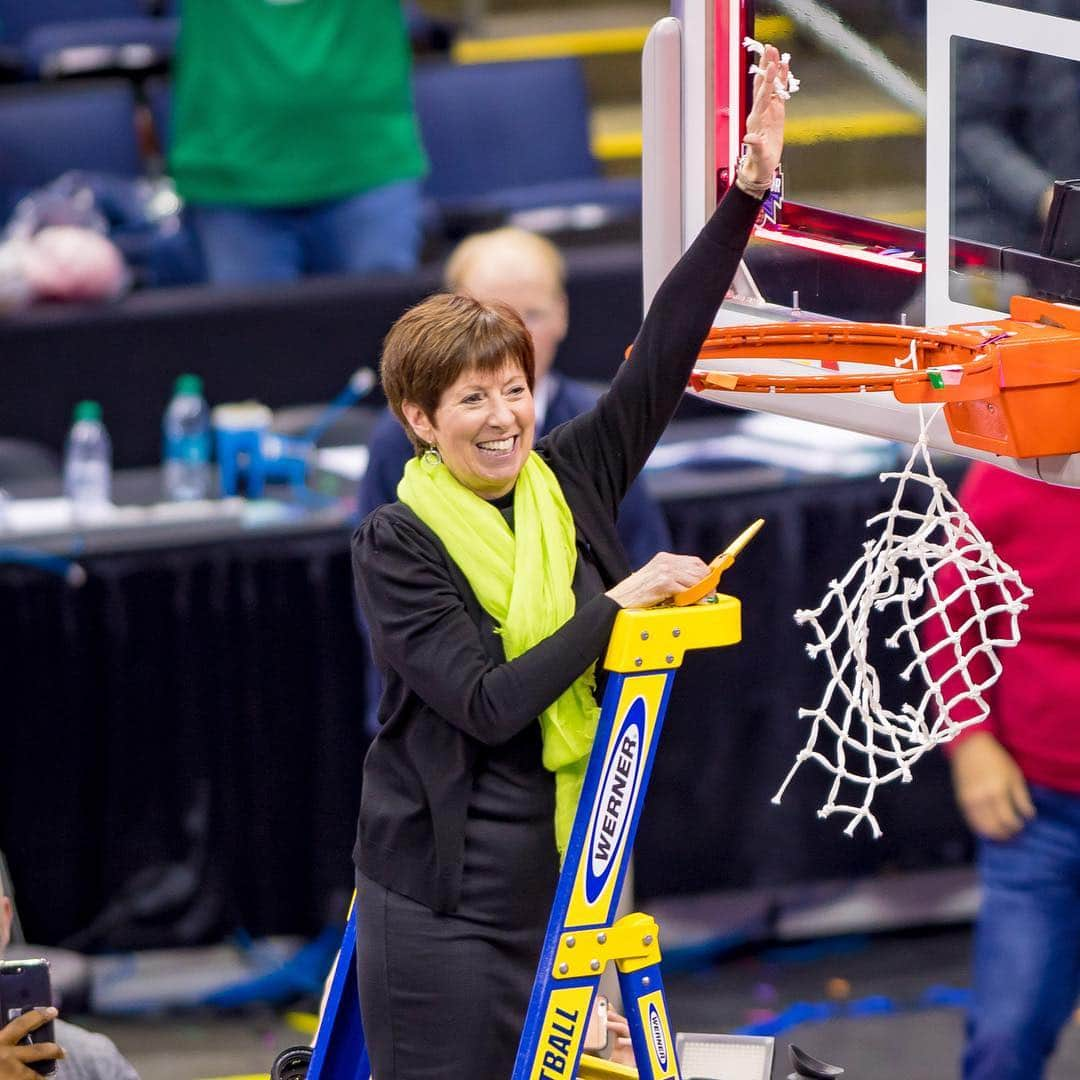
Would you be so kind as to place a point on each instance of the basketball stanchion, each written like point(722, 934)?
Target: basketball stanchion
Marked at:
point(645, 651)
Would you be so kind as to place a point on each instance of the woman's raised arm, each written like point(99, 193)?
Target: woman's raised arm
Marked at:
point(617, 437)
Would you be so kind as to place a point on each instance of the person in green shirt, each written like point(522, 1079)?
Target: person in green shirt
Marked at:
point(294, 139)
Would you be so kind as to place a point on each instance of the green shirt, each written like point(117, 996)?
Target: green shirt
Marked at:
point(287, 102)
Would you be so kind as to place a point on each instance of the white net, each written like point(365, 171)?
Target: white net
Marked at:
point(853, 734)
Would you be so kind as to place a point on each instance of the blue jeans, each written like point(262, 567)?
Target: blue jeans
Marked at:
point(1027, 943)
point(375, 230)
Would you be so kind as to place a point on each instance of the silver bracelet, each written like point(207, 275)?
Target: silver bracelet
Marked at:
point(755, 189)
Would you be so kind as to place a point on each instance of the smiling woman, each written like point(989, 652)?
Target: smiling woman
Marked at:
point(468, 396)
point(490, 588)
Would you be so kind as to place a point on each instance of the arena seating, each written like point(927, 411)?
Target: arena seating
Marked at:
point(501, 138)
point(109, 45)
point(61, 38)
point(46, 131)
point(50, 39)
point(510, 137)
point(19, 18)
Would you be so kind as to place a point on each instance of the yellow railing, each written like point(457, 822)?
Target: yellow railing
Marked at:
point(628, 39)
point(626, 145)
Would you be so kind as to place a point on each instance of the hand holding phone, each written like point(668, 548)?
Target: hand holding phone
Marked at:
point(27, 1046)
point(596, 1034)
point(23, 1060)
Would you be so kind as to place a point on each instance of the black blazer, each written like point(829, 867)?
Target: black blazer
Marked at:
point(448, 689)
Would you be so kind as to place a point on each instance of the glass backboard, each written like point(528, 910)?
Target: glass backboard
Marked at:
point(1004, 83)
point(921, 150)
point(931, 169)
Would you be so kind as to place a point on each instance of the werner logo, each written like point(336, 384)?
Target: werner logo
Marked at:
point(656, 1030)
point(615, 803)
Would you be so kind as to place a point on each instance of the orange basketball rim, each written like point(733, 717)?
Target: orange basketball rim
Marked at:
point(1009, 387)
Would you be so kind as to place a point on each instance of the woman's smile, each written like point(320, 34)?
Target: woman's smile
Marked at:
point(498, 447)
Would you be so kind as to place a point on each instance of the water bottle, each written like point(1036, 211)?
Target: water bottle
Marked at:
point(186, 427)
point(88, 463)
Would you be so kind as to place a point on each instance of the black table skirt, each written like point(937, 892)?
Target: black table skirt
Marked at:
point(186, 731)
point(198, 710)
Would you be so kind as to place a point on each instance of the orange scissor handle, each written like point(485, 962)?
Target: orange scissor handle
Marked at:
point(706, 585)
point(698, 591)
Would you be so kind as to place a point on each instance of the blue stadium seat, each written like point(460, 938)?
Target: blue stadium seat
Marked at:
point(19, 17)
point(55, 38)
point(88, 129)
point(158, 93)
point(46, 131)
point(86, 47)
point(508, 137)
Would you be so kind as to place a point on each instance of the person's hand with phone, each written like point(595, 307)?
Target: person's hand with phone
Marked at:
point(15, 1059)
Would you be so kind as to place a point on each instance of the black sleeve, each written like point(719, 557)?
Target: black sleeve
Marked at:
point(613, 440)
point(422, 629)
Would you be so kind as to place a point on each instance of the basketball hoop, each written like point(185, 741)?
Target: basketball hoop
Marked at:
point(1011, 387)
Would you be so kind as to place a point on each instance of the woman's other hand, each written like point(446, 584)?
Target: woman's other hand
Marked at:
point(764, 137)
point(989, 786)
point(660, 578)
point(15, 1059)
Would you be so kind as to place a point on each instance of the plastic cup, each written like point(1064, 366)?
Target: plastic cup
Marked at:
point(238, 433)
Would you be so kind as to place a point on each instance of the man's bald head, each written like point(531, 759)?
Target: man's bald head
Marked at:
point(509, 253)
point(515, 267)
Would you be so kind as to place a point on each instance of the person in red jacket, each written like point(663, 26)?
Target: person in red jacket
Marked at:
point(1016, 776)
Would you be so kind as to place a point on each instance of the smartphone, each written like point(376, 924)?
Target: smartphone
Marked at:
point(596, 1034)
point(25, 985)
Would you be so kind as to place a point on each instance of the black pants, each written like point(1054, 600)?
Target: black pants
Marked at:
point(443, 997)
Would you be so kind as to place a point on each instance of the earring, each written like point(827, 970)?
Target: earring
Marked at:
point(432, 457)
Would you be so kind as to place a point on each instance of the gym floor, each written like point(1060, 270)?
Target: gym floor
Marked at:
point(875, 987)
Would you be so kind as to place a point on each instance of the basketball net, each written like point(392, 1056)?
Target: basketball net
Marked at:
point(853, 735)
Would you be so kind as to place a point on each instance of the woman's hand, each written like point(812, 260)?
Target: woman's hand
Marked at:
point(764, 137)
point(14, 1058)
point(660, 578)
point(989, 786)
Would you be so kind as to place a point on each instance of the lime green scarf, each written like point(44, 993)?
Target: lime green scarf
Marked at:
point(522, 579)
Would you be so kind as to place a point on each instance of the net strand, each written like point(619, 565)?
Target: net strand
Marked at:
point(853, 735)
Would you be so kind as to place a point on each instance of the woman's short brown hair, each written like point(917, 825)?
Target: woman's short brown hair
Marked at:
point(433, 343)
